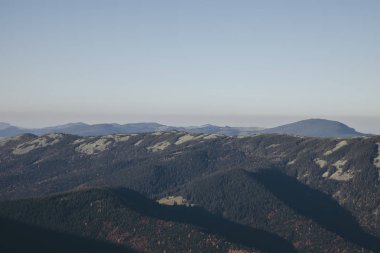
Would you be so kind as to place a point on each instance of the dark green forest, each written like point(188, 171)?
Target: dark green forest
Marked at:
point(263, 193)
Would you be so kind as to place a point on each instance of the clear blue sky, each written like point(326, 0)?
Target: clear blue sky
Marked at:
point(184, 62)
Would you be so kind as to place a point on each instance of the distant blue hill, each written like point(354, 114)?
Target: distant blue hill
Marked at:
point(315, 128)
point(309, 127)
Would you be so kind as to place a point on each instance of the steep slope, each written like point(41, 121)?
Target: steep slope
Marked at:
point(271, 200)
point(17, 237)
point(315, 128)
point(123, 217)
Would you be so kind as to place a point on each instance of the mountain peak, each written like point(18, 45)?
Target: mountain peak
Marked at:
point(316, 128)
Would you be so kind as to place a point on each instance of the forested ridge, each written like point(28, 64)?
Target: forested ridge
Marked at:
point(305, 194)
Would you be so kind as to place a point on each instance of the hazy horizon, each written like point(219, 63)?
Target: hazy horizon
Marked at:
point(240, 63)
point(360, 124)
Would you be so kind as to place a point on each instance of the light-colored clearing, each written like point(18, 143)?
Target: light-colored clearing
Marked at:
point(186, 138)
point(211, 136)
point(338, 146)
point(361, 137)
point(40, 142)
point(173, 200)
point(139, 142)
point(159, 146)
point(78, 141)
point(341, 175)
point(340, 163)
point(292, 162)
point(118, 137)
point(326, 174)
point(273, 146)
point(94, 147)
point(321, 163)
point(243, 136)
point(55, 136)
point(102, 144)
point(157, 133)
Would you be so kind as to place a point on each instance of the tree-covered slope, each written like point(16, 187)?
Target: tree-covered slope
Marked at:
point(224, 175)
point(126, 218)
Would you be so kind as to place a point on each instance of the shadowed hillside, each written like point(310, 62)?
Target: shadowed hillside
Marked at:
point(19, 237)
point(317, 206)
point(125, 211)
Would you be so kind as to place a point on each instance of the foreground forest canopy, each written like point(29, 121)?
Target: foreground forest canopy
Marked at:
point(173, 191)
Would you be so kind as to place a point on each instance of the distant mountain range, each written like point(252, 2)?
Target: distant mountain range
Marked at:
point(308, 128)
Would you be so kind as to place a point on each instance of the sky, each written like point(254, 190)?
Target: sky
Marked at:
point(239, 63)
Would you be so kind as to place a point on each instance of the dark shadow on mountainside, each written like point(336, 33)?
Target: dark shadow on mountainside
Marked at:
point(317, 206)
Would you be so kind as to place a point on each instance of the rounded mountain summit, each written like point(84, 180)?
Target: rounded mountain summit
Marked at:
point(315, 128)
